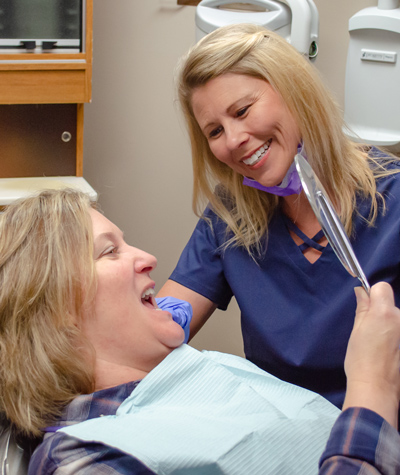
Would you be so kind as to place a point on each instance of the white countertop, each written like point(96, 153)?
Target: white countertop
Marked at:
point(12, 189)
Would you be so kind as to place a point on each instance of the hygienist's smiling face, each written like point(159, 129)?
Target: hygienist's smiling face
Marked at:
point(126, 328)
point(248, 126)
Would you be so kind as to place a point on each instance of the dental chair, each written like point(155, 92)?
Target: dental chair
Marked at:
point(15, 451)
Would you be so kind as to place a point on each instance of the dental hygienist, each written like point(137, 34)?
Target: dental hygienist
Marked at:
point(251, 102)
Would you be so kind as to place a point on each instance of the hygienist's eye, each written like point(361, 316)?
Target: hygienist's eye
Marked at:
point(215, 132)
point(242, 111)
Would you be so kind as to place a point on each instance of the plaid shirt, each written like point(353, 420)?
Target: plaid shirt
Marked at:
point(361, 443)
point(62, 454)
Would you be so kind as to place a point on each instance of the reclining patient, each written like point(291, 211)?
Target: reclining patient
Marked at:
point(88, 360)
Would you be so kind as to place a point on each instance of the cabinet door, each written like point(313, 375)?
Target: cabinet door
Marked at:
point(38, 140)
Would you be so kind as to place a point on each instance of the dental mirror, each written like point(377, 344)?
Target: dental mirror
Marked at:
point(329, 220)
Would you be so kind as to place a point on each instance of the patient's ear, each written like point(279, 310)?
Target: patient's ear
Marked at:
point(87, 314)
point(74, 321)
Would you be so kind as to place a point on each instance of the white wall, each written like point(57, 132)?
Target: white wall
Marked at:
point(136, 152)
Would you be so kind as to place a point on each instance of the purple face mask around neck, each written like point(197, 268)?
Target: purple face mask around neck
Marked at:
point(291, 184)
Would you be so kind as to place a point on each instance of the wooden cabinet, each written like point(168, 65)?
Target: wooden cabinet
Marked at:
point(188, 2)
point(42, 96)
point(38, 140)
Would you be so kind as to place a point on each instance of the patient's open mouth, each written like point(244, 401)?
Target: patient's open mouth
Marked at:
point(148, 299)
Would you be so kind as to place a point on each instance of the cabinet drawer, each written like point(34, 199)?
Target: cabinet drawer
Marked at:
point(44, 86)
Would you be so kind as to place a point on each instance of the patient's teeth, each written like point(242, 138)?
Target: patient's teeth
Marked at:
point(148, 293)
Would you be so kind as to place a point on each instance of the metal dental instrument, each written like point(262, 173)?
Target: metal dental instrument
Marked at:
point(329, 220)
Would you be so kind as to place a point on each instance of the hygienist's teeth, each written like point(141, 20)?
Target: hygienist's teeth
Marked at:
point(257, 154)
point(251, 160)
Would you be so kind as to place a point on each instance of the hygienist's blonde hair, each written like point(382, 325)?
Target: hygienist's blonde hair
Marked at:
point(342, 166)
point(47, 278)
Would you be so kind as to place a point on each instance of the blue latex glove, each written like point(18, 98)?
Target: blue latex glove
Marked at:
point(180, 310)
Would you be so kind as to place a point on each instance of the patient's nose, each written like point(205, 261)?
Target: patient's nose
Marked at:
point(144, 262)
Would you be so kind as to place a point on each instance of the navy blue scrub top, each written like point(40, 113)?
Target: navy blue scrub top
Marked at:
point(296, 316)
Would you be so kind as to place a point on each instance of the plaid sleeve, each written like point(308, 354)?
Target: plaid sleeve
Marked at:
point(61, 454)
point(361, 442)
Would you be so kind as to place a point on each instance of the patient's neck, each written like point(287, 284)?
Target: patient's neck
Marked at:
point(109, 374)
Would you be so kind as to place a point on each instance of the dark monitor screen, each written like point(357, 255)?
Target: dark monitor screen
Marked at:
point(58, 23)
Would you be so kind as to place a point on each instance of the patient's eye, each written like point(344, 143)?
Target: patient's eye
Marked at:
point(109, 251)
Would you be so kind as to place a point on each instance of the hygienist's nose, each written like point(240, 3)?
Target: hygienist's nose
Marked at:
point(144, 262)
point(235, 135)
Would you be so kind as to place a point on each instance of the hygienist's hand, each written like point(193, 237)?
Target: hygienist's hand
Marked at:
point(180, 310)
point(373, 357)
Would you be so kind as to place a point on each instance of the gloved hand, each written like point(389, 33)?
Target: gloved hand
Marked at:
point(180, 310)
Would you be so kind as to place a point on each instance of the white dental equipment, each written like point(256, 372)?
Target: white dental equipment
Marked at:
point(372, 92)
point(295, 20)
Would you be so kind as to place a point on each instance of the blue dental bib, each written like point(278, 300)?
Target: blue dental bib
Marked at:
point(213, 413)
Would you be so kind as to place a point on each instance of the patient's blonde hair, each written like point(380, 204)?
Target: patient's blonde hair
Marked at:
point(342, 166)
point(47, 279)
